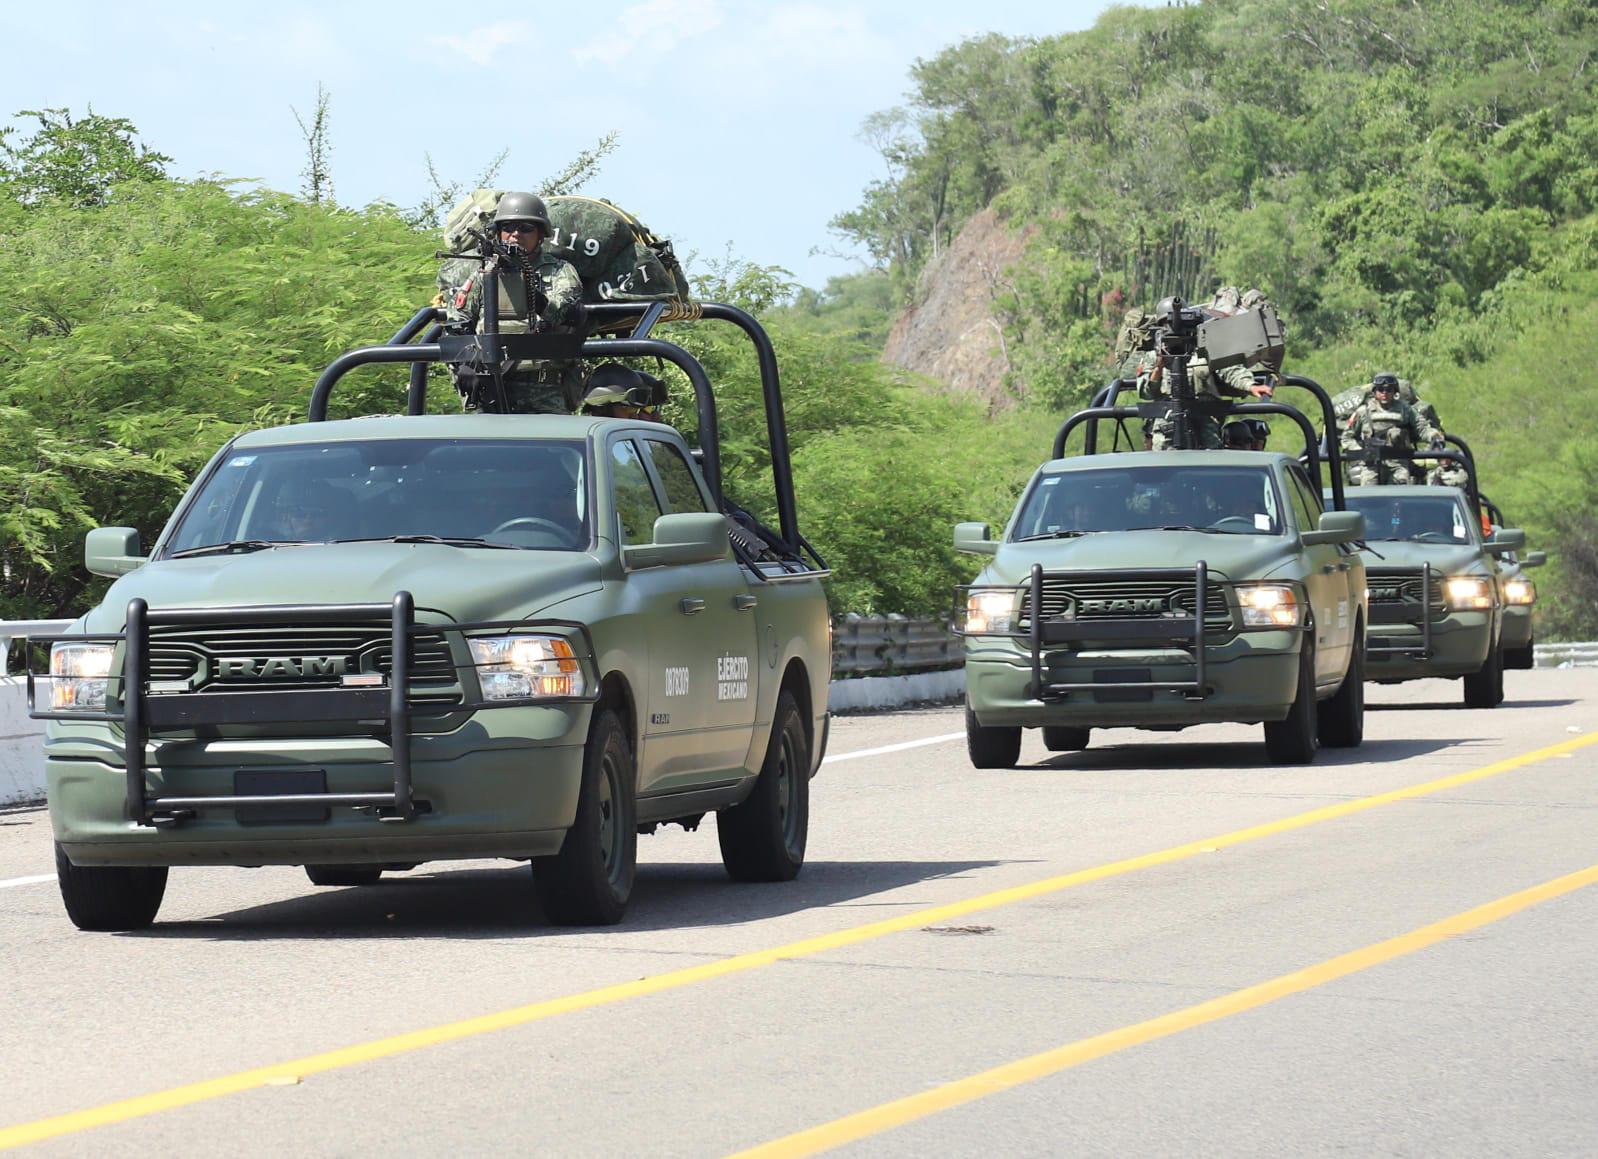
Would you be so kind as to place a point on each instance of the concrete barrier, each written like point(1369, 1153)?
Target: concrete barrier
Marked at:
point(21, 757)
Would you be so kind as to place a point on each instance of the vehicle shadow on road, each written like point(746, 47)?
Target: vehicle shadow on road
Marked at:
point(499, 903)
point(1232, 755)
point(1437, 705)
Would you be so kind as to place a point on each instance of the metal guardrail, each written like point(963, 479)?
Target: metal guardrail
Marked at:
point(881, 645)
point(1566, 655)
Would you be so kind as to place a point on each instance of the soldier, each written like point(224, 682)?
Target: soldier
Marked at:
point(1138, 360)
point(1384, 421)
point(621, 392)
point(537, 293)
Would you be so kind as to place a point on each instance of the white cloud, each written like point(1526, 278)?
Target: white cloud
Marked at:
point(480, 45)
point(658, 25)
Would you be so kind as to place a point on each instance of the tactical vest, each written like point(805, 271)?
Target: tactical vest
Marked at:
point(1389, 426)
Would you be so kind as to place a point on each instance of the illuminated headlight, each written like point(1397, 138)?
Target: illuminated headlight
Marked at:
point(1520, 591)
point(1468, 592)
point(992, 611)
point(79, 674)
point(1270, 606)
point(526, 667)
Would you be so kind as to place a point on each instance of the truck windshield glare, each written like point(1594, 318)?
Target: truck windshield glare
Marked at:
point(462, 492)
point(1231, 500)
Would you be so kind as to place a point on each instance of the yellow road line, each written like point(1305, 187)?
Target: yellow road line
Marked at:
point(182, 1096)
point(1013, 1074)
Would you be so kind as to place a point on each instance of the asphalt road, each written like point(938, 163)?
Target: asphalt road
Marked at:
point(1159, 946)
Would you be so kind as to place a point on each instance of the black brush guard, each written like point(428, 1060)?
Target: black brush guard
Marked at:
point(389, 708)
point(1182, 631)
point(1399, 613)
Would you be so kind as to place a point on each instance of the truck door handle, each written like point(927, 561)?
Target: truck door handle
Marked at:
point(692, 606)
point(744, 603)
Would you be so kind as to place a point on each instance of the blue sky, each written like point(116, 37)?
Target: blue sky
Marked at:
point(737, 118)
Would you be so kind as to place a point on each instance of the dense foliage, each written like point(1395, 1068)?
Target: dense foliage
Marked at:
point(1414, 183)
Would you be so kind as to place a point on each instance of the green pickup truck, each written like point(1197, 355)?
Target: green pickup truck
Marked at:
point(362, 644)
point(1165, 589)
point(1437, 589)
point(1520, 596)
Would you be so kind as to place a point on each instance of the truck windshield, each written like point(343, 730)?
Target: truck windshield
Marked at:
point(464, 492)
point(1423, 518)
point(1225, 500)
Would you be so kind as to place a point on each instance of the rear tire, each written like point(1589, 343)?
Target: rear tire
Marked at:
point(344, 874)
point(763, 837)
point(589, 882)
point(1292, 741)
point(991, 748)
point(110, 897)
point(1484, 689)
point(1065, 738)
point(1341, 720)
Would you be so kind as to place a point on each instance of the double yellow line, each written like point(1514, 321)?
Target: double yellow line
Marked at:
point(298, 1069)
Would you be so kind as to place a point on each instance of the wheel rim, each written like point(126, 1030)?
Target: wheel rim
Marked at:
point(610, 837)
point(788, 791)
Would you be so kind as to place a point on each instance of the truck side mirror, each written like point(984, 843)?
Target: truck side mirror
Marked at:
point(1337, 527)
point(1534, 559)
point(686, 537)
point(113, 551)
point(975, 538)
point(1506, 540)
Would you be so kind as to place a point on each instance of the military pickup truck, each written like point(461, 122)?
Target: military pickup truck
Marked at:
point(1437, 590)
point(362, 644)
point(1520, 594)
point(1165, 589)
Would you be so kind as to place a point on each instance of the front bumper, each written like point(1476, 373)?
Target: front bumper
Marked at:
point(1516, 630)
point(1249, 679)
point(492, 788)
point(1460, 643)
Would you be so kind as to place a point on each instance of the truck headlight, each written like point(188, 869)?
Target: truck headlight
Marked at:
point(1520, 591)
point(526, 667)
point(1468, 592)
point(992, 611)
point(79, 675)
point(1270, 606)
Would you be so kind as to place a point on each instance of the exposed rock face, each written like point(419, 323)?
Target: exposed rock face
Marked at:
point(953, 335)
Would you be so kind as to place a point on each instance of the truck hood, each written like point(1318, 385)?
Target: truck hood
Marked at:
point(1447, 558)
point(1234, 557)
point(464, 584)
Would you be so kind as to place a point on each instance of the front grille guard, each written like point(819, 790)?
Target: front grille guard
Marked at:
point(390, 707)
point(1388, 613)
point(1184, 631)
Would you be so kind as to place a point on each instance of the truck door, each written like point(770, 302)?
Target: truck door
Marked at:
point(724, 634)
point(1326, 576)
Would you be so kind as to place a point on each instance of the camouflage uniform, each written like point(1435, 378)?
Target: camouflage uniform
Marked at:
point(534, 386)
point(1447, 473)
point(1395, 424)
point(1145, 366)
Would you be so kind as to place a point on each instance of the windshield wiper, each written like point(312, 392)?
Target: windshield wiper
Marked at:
point(1054, 535)
point(1190, 527)
point(447, 540)
point(238, 547)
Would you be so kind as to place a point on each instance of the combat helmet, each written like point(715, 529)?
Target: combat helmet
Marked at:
point(522, 207)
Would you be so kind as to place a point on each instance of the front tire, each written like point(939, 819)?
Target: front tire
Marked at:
point(1065, 738)
point(1293, 741)
point(1521, 658)
point(763, 837)
point(109, 897)
point(1341, 720)
point(344, 874)
point(589, 882)
point(1484, 689)
point(991, 748)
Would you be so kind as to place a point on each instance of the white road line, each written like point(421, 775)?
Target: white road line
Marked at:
point(40, 879)
point(894, 748)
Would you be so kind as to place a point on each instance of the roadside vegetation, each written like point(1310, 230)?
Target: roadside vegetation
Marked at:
point(1416, 185)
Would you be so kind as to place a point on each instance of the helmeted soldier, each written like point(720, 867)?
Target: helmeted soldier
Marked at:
point(1137, 360)
point(622, 392)
point(537, 294)
point(1385, 421)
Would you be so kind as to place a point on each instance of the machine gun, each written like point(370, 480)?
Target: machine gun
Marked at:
point(1182, 333)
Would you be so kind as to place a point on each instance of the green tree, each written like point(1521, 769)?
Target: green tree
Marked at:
point(76, 160)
